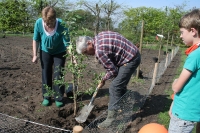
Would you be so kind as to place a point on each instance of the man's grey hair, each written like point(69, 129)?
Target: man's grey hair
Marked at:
point(81, 43)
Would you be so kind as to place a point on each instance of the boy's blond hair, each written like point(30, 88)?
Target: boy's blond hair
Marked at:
point(191, 20)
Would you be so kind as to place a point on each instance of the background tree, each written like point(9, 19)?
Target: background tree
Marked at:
point(59, 5)
point(109, 10)
point(38, 5)
point(87, 20)
point(96, 10)
point(152, 17)
point(20, 16)
point(14, 15)
point(173, 18)
point(157, 21)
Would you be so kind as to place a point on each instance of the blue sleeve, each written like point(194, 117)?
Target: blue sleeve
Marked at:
point(192, 62)
point(36, 35)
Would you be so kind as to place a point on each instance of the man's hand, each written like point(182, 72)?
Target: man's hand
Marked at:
point(74, 60)
point(101, 84)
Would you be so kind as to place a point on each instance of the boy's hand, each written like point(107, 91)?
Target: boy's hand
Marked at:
point(170, 110)
point(170, 113)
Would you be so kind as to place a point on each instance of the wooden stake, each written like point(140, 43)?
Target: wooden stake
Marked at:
point(77, 129)
point(155, 74)
point(166, 62)
point(172, 54)
point(140, 49)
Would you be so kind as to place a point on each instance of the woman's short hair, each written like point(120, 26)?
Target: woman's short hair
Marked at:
point(81, 43)
point(49, 14)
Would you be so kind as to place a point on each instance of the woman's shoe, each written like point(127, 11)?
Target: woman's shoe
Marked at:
point(59, 104)
point(45, 102)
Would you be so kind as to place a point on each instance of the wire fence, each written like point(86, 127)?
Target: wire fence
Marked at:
point(9, 124)
point(129, 104)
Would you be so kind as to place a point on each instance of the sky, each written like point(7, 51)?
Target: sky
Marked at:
point(158, 3)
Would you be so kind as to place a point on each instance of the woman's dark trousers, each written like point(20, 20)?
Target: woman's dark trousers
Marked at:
point(51, 69)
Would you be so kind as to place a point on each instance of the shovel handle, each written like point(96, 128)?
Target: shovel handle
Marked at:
point(93, 97)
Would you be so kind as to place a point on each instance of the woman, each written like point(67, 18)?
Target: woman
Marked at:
point(48, 35)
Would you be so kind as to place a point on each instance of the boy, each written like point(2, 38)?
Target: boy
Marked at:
point(185, 109)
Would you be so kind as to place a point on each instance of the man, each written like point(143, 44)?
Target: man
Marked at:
point(119, 57)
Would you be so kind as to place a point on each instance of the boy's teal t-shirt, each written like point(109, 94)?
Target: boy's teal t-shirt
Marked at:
point(54, 44)
point(186, 104)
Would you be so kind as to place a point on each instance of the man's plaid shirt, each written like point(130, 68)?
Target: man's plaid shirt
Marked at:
point(113, 50)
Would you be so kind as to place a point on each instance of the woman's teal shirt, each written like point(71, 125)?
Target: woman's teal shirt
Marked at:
point(54, 44)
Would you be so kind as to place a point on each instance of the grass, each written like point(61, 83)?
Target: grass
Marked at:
point(156, 46)
point(21, 35)
point(135, 80)
point(163, 117)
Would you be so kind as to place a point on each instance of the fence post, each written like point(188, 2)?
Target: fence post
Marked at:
point(140, 49)
point(155, 74)
point(166, 62)
point(172, 54)
point(77, 129)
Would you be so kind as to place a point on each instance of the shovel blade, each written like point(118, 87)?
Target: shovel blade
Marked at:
point(84, 113)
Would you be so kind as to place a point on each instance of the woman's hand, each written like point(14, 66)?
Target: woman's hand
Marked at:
point(35, 59)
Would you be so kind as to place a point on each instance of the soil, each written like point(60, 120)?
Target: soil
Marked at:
point(21, 94)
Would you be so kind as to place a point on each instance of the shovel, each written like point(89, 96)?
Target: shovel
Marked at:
point(84, 113)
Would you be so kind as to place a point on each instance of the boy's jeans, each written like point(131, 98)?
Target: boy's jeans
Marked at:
point(177, 125)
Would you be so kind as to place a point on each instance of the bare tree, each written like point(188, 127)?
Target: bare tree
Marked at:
point(110, 9)
point(96, 11)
